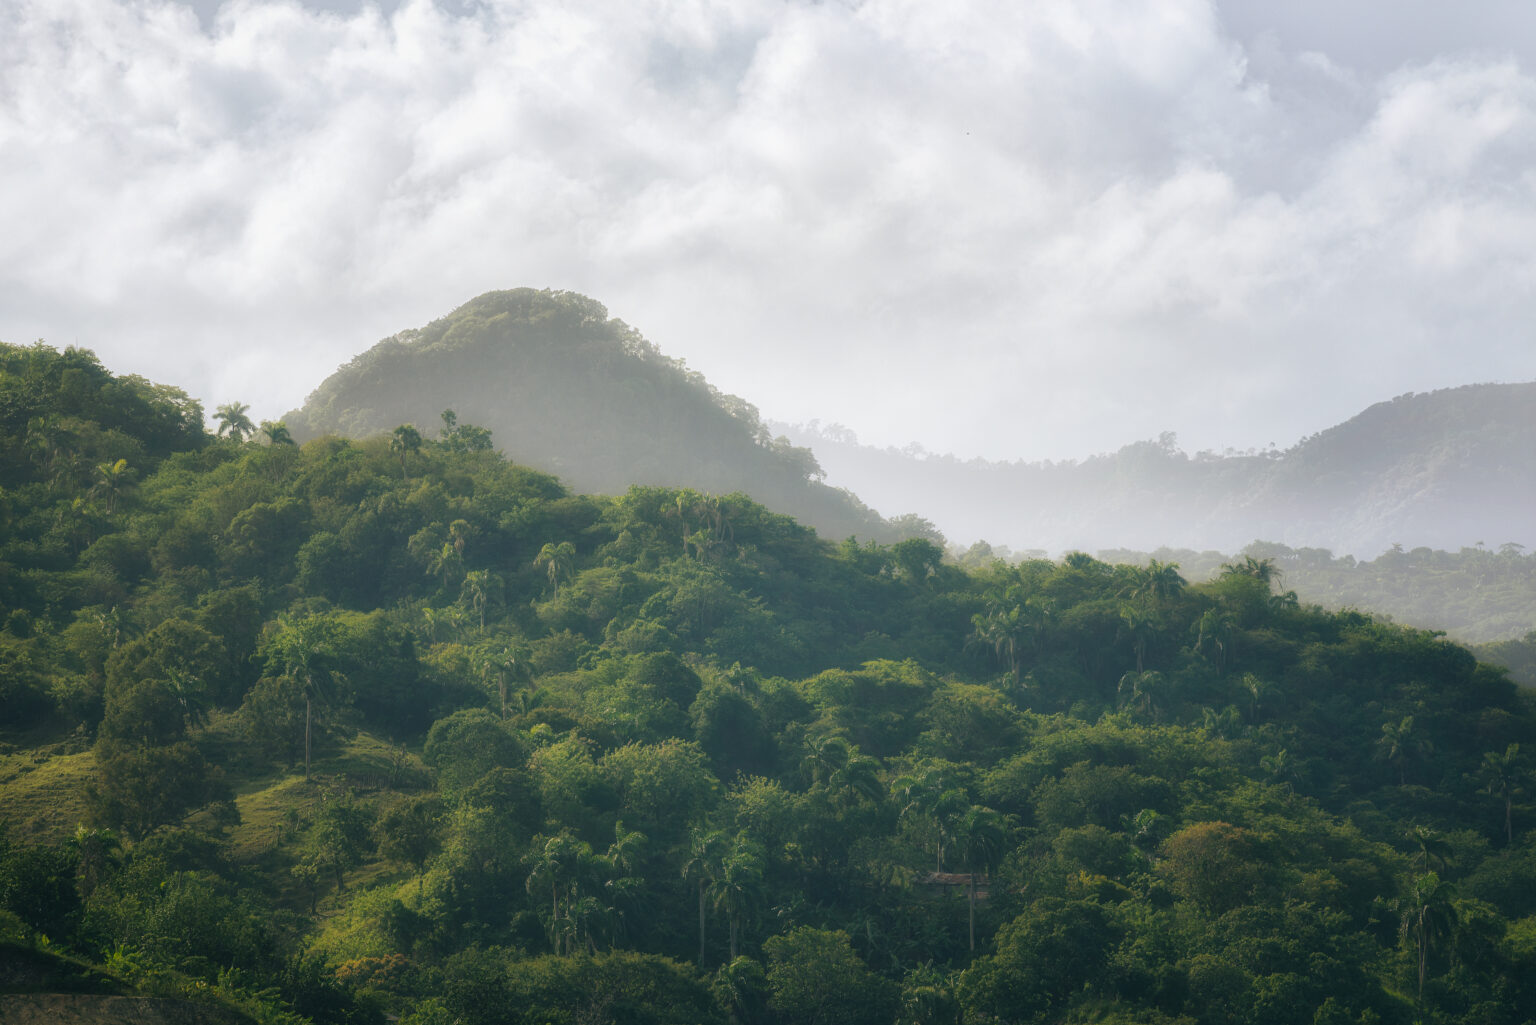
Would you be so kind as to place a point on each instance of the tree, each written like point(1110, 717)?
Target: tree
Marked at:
point(277, 432)
point(405, 440)
point(815, 978)
point(233, 421)
point(556, 560)
point(1262, 570)
point(1428, 917)
point(503, 663)
point(706, 849)
point(1143, 622)
point(411, 831)
point(1003, 627)
point(96, 854)
point(1157, 583)
point(1215, 630)
point(1398, 744)
point(138, 787)
point(481, 588)
point(338, 838)
point(302, 648)
point(37, 885)
point(1500, 775)
point(113, 481)
point(981, 834)
point(466, 745)
point(736, 887)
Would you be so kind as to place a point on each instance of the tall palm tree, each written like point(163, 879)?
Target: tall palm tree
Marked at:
point(277, 432)
point(1397, 744)
point(706, 850)
point(113, 481)
point(234, 422)
point(96, 853)
point(1158, 582)
point(1258, 569)
point(981, 834)
point(480, 589)
point(405, 440)
point(302, 648)
point(1500, 775)
point(1003, 627)
point(556, 560)
point(735, 889)
point(1428, 917)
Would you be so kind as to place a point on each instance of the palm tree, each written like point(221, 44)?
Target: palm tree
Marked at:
point(113, 481)
point(560, 863)
point(1258, 569)
point(1142, 621)
point(1429, 916)
point(736, 886)
point(556, 559)
point(446, 561)
point(981, 834)
point(302, 648)
point(234, 422)
point(706, 849)
point(1500, 775)
point(858, 777)
point(1432, 849)
point(506, 663)
point(405, 440)
point(1003, 627)
point(1215, 635)
point(277, 432)
point(932, 795)
point(95, 852)
point(480, 588)
point(1398, 744)
point(1158, 582)
point(1256, 687)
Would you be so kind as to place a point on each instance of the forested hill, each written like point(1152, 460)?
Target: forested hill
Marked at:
point(1444, 469)
point(568, 390)
point(349, 732)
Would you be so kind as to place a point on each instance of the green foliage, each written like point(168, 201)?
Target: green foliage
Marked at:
point(851, 782)
point(815, 978)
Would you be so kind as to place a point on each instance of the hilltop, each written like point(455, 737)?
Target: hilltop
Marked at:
point(567, 389)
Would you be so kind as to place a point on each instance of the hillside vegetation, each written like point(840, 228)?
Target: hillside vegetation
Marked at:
point(568, 390)
point(1476, 595)
point(395, 726)
point(1440, 470)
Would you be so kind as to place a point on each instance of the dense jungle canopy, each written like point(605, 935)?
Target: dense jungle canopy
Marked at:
point(396, 726)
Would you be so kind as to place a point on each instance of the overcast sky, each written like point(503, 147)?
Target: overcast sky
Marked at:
point(1032, 230)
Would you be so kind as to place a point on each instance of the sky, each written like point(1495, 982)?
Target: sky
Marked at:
point(1034, 230)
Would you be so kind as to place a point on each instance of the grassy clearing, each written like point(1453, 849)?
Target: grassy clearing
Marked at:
point(42, 793)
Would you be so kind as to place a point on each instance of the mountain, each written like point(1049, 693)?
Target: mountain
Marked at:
point(1441, 469)
point(565, 388)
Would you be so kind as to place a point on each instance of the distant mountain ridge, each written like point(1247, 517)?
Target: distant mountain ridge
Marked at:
point(1442, 469)
point(567, 389)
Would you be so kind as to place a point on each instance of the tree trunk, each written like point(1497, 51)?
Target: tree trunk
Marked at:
point(701, 923)
point(306, 734)
point(735, 932)
point(973, 911)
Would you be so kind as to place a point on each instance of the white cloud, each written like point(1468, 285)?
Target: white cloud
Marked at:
point(994, 230)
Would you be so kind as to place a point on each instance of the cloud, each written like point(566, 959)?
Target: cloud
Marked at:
point(1035, 231)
